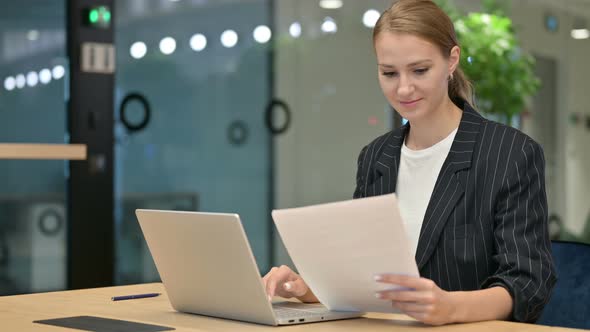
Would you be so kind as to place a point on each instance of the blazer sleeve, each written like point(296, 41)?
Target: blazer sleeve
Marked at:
point(523, 247)
point(361, 182)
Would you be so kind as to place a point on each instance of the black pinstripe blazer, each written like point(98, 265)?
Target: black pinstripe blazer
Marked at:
point(486, 222)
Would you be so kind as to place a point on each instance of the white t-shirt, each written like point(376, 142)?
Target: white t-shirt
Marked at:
point(418, 171)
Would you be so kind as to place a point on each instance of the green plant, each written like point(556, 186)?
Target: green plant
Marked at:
point(503, 75)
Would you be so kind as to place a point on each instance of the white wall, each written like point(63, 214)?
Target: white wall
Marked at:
point(568, 155)
point(569, 194)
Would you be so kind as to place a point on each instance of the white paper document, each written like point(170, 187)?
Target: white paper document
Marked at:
point(339, 247)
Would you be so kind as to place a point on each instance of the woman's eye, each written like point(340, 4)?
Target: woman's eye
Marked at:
point(421, 71)
point(389, 73)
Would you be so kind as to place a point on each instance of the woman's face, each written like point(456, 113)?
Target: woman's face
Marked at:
point(413, 73)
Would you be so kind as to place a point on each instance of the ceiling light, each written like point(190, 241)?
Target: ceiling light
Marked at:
point(370, 18)
point(262, 34)
point(580, 33)
point(33, 35)
point(20, 81)
point(229, 38)
point(45, 76)
point(295, 29)
point(329, 25)
point(167, 45)
point(330, 4)
point(58, 72)
point(138, 50)
point(9, 83)
point(32, 78)
point(198, 42)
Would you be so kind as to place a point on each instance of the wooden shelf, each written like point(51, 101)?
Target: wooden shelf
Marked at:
point(42, 151)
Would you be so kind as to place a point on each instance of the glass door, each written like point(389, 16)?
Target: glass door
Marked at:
point(33, 218)
point(191, 89)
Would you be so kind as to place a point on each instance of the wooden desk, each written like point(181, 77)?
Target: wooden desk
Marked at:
point(42, 151)
point(17, 313)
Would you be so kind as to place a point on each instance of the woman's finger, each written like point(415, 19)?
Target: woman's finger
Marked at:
point(275, 280)
point(268, 274)
point(296, 287)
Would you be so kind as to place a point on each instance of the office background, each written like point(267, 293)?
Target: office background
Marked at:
point(209, 144)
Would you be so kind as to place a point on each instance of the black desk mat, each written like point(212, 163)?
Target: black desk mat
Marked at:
point(100, 324)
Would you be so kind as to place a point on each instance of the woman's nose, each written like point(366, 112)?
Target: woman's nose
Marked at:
point(405, 87)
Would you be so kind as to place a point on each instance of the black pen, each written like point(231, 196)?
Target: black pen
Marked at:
point(131, 297)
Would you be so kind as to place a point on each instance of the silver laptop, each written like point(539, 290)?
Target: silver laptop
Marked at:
point(207, 267)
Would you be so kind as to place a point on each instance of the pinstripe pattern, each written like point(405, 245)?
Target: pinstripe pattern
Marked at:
point(486, 222)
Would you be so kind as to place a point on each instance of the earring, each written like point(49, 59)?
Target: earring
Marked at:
point(451, 77)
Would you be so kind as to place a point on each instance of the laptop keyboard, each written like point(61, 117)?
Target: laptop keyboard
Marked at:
point(287, 310)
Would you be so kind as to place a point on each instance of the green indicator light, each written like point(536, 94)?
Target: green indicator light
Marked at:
point(93, 16)
point(98, 17)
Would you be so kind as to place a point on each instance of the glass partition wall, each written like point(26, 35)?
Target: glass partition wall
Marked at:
point(202, 69)
point(33, 218)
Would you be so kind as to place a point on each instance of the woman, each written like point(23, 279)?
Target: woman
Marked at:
point(471, 191)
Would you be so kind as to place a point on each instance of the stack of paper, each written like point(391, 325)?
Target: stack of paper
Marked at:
point(339, 247)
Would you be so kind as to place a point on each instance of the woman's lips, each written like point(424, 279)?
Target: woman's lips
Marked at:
point(410, 103)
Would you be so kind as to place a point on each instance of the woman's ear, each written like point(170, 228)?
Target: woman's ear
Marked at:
point(454, 58)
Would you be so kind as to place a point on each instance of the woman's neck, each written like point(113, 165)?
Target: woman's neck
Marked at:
point(436, 127)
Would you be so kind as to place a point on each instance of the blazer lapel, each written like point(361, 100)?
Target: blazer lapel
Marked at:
point(387, 164)
point(450, 185)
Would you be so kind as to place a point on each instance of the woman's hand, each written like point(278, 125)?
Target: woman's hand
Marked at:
point(419, 298)
point(283, 282)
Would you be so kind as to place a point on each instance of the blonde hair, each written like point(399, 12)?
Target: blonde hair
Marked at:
point(423, 18)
